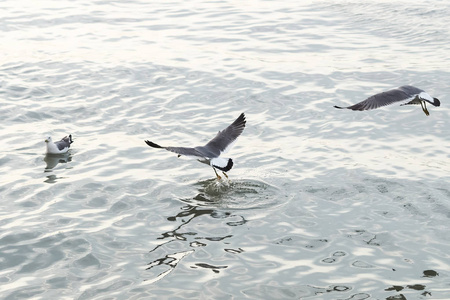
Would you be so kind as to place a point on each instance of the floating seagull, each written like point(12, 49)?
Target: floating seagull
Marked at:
point(407, 94)
point(59, 147)
point(210, 153)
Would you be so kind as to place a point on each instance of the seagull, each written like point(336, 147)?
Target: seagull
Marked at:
point(210, 153)
point(59, 147)
point(407, 94)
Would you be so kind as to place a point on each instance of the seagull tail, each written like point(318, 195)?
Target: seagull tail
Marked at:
point(151, 144)
point(223, 164)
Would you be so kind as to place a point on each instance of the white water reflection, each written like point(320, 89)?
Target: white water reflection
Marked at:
point(321, 203)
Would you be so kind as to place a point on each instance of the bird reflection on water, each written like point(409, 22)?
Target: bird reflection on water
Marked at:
point(188, 239)
point(52, 160)
point(219, 201)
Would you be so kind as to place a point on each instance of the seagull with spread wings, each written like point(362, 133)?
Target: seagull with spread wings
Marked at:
point(211, 152)
point(406, 94)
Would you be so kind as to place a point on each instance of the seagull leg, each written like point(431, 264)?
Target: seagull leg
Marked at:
point(218, 177)
point(225, 174)
point(424, 107)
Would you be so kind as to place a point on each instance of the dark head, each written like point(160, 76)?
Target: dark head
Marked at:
point(225, 168)
point(436, 102)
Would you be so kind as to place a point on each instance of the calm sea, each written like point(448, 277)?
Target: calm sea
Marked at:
point(321, 203)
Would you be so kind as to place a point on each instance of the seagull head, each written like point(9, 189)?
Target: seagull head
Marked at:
point(48, 139)
point(437, 102)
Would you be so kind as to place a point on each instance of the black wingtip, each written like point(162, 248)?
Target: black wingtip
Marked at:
point(70, 139)
point(151, 144)
point(240, 120)
point(340, 107)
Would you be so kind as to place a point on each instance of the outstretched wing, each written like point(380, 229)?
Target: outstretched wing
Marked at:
point(178, 150)
point(225, 138)
point(403, 93)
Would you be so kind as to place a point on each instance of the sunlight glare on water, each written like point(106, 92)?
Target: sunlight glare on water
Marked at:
point(320, 204)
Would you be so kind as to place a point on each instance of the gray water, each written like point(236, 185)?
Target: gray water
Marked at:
point(321, 203)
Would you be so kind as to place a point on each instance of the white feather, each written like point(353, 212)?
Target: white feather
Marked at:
point(52, 148)
point(219, 162)
point(426, 96)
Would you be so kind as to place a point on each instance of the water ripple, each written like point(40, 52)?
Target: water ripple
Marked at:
point(321, 203)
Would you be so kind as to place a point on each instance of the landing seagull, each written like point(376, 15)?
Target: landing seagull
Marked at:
point(59, 147)
point(407, 94)
point(210, 153)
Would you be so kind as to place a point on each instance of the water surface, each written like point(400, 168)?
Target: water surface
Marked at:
point(321, 203)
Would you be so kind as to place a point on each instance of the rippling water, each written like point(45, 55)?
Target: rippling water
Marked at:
point(321, 203)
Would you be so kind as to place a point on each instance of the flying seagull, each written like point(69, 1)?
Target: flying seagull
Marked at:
point(210, 153)
point(59, 147)
point(407, 94)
